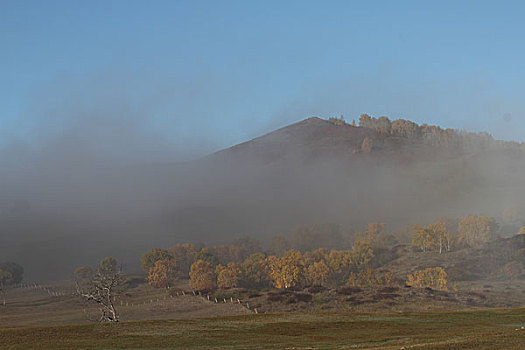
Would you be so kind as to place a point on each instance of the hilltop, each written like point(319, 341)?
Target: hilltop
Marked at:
point(312, 171)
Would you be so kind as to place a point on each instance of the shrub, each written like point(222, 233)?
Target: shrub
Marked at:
point(348, 290)
point(316, 289)
point(304, 297)
point(433, 277)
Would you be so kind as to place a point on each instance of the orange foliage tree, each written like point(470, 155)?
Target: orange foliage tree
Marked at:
point(228, 276)
point(317, 273)
point(162, 274)
point(202, 275)
point(148, 259)
point(184, 255)
point(433, 277)
point(254, 271)
point(286, 271)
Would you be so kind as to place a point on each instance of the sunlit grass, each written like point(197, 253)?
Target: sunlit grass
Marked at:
point(487, 329)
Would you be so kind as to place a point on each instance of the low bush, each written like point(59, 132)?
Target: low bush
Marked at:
point(348, 290)
point(304, 297)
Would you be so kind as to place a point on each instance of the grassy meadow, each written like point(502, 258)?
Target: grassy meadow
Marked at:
point(480, 329)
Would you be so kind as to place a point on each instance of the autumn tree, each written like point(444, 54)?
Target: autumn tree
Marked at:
point(476, 230)
point(381, 125)
point(363, 278)
point(422, 238)
point(163, 273)
point(372, 235)
point(228, 276)
point(337, 121)
point(441, 237)
point(286, 271)
point(337, 260)
point(434, 237)
point(254, 271)
point(184, 255)
point(317, 273)
point(202, 275)
point(102, 289)
point(361, 254)
point(148, 259)
point(206, 254)
point(365, 121)
point(327, 266)
point(405, 128)
point(433, 277)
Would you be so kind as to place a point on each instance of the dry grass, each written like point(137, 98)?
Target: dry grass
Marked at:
point(32, 307)
point(488, 329)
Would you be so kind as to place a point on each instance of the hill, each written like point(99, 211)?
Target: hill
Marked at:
point(312, 171)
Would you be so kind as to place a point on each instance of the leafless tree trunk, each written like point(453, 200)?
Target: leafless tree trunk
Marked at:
point(101, 290)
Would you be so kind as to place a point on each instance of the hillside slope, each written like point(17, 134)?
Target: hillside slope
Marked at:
point(307, 172)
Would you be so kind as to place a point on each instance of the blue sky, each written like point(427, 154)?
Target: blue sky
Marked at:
point(206, 75)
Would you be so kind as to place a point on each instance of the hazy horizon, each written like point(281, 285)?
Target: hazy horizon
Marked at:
point(180, 80)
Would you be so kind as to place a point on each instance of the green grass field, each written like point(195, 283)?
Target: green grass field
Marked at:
point(481, 329)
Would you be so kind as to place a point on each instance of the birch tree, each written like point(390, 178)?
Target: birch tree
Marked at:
point(102, 289)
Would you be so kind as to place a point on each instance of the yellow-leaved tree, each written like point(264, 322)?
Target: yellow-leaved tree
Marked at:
point(202, 275)
point(361, 254)
point(254, 271)
point(432, 277)
point(228, 276)
point(148, 259)
point(476, 230)
point(286, 271)
point(433, 237)
point(162, 274)
point(317, 273)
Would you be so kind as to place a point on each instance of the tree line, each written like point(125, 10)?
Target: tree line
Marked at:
point(430, 134)
point(247, 266)
point(315, 255)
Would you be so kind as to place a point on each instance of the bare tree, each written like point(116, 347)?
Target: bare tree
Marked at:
point(102, 288)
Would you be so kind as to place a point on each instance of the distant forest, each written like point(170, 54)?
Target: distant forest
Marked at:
point(430, 134)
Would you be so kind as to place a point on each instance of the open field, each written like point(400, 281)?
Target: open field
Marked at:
point(491, 317)
point(35, 306)
point(481, 329)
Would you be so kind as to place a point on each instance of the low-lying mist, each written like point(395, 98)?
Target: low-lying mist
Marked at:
point(94, 182)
